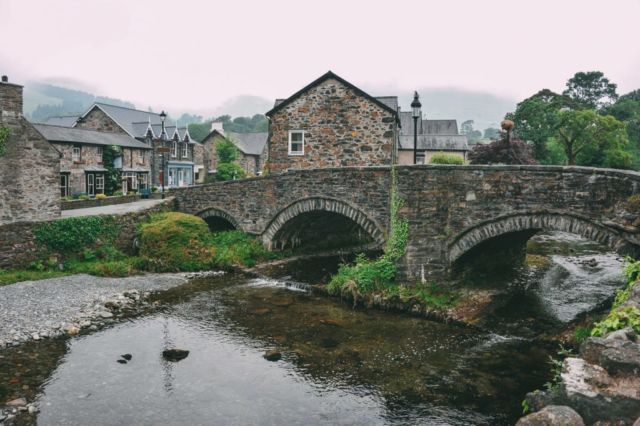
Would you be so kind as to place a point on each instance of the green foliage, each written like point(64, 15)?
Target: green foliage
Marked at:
point(237, 248)
point(10, 276)
point(590, 139)
point(176, 242)
point(74, 234)
point(525, 407)
point(229, 171)
point(226, 151)
point(556, 368)
point(591, 90)
point(617, 319)
point(113, 175)
point(466, 128)
point(581, 333)
point(5, 132)
point(442, 158)
point(632, 266)
point(491, 133)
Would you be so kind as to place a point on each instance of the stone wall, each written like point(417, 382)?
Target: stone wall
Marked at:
point(96, 119)
point(342, 128)
point(18, 247)
point(450, 209)
point(29, 168)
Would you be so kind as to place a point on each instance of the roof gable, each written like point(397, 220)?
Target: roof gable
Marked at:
point(323, 78)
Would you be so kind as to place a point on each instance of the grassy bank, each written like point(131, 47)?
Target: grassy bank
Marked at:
point(169, 242)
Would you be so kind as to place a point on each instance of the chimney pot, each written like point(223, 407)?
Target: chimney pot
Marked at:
point(5, 79)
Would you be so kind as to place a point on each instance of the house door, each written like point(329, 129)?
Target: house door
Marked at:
point(91, 185)
point(64, 185)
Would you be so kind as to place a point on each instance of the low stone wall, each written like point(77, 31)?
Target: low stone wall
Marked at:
point(109, 201)
point(18, 247)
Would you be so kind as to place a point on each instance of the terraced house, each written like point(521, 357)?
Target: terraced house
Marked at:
point(252, 150)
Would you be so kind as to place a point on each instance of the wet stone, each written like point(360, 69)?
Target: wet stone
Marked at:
point(272, 355)
point(174, 354)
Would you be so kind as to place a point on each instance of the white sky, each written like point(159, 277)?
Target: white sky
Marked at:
point(194, 55)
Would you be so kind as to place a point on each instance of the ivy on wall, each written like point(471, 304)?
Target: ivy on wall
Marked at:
point(5, 132)
point(112, 180)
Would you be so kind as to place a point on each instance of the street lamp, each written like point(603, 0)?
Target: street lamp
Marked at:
point(415, 113)
point(163, 115)
point(163, 150)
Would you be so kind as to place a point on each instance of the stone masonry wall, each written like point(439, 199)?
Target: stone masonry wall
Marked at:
point(450, 209)
point(18, 247)
point(96, 119)
point(342, 129)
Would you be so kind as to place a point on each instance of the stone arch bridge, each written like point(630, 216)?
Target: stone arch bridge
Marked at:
point(451, 210)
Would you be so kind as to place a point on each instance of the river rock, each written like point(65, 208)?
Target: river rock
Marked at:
point(105, 314)
point(272, 355)
point(618, 357)
point(552, 415)
point(71, 330)
point(623, 334)
point(18, 402)
point(127, 356)
point(175, 354)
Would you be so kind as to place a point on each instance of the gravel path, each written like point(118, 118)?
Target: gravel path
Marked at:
point(31, 310)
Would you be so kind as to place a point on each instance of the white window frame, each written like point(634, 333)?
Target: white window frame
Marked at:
point(174, 151)
point(99, 184)
point(76, 158)
point(296, 153)
point(141, 156)
point(185, 150)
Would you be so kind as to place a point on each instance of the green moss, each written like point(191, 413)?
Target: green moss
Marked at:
point(176, 242)
point(237, 248)
point(5, 132)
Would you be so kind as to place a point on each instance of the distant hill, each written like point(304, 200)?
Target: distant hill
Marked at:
point(42, 101)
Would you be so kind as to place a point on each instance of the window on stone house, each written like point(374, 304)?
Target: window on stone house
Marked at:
point(141, 156)
point(100, 184)
point(100, 151)
point(174, 151)
point(76, 153)
point(185, 150)
point(296, 142)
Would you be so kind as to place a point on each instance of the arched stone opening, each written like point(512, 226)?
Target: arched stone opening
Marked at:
point(218, 220)
point(503, 240)
point(318, 224)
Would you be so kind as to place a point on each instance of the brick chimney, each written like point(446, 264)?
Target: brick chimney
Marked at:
point(10, 99)
point(217, 125)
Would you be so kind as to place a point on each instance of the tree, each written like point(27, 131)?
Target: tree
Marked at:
point(592, 90)
point(229, 171)
point(466, 128)
point(226, 151)
point(590, 139)
point(536, 118)
point(491, 133)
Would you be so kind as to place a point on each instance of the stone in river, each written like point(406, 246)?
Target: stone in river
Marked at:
point(552, 415)
point(18, 402)
point(127, 356)
point(272, 355)
point(121, 361)
point(175, 354)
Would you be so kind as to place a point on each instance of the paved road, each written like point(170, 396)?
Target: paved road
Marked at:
point(114, 209)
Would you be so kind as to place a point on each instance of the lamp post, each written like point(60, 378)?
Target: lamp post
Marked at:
point(415, 113)
point(162, 149)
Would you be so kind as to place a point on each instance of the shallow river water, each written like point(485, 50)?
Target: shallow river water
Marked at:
point(338, 365)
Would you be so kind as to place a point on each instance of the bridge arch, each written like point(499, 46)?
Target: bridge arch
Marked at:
point(332, 206)
point(547, 221)
point(218, 219)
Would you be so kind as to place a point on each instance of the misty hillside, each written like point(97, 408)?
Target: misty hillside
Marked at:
point(46, 100)
point(42, 101)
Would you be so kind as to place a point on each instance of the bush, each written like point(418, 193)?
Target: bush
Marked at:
point(100, 196)
point(229, 171)
point(176, 242)
point(237, 248)
point(75, 234)
point(442, 158)
point(118, 194)
point(502, 152)
point(619, 318)
point(77, 195)
point(84, 197)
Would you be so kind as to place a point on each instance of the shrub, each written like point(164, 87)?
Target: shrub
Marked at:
point(619, 318)
point(84, 197)
point(229, 171)
point(176, 242)
point(118, 194)
point(75, 234)
point(239, 248)
point(100, 196)
point(442, 158)
point(502, 152)
point(154, 189)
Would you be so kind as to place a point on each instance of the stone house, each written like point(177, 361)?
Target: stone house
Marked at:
point(29, 165)
point(332, 123)
point(434, 136)
point(81, 165)
point(146, 127)
point(252, 150)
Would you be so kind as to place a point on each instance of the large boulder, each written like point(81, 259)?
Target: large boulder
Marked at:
point(552, 415)
point(617, 356)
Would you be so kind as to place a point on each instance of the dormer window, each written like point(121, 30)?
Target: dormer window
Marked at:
point(296, 142)
point(174, 151)
point(185, 150)
point(76, 154)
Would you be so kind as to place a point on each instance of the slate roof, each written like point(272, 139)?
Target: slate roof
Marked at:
point(428, 127)
point(135, 121)
point(436, 142)
point(61, 120)
point(330, 75)
point(249, 143)
point(390, 101)
point(84, 136)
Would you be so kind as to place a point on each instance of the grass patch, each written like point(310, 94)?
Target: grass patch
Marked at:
point(237, 248)
point(10, 276)
point(443, 158)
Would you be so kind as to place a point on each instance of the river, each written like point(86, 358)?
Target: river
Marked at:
point(338, 365)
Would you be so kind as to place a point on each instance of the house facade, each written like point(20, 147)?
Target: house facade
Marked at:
point(82, 170)
point(332, 123)
point(29, 165)
point(252, 150)
point(434, 136)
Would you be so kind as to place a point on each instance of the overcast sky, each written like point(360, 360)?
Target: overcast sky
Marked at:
point(192, 55)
